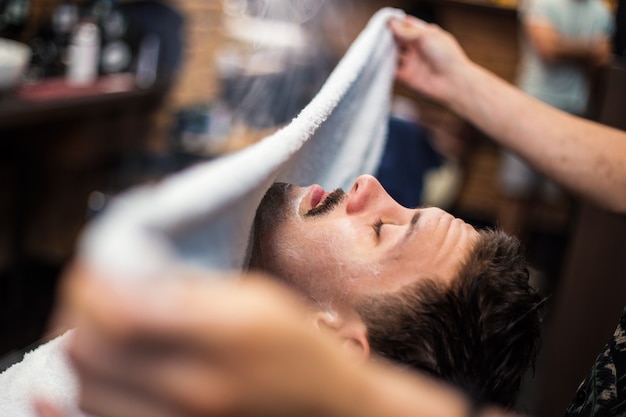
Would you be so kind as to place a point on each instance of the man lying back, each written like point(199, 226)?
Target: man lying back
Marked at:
point(416, 286)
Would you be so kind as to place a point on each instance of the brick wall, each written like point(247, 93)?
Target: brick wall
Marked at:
point(197, 82)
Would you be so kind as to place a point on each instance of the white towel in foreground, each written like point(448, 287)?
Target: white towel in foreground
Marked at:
point(202, 217)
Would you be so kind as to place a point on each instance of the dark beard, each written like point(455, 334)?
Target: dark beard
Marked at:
point(330, 202)
point(270, 213)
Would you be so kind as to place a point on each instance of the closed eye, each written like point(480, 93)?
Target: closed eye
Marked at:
point(377, 226)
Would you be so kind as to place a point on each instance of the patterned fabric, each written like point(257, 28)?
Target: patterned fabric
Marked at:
point(603, 392)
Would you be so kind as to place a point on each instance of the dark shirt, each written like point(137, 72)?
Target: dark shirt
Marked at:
point(408, 156)
point(603, 392)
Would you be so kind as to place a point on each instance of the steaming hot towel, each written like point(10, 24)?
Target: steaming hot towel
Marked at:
point(202, 217)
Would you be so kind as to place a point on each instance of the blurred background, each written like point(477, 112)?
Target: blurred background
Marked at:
point(97, 96)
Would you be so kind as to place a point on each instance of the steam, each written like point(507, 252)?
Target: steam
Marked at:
point(298, 11)
point(273, 61)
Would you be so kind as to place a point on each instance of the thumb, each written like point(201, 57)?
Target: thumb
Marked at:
point(408, 28)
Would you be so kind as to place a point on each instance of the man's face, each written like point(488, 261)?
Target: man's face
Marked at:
point(334, 245)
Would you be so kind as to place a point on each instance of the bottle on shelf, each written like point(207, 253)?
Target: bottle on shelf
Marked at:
point(83, 54)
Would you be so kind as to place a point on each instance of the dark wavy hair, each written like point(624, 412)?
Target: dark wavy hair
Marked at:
point(481, 333)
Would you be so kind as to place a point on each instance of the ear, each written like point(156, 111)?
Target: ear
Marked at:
point(351, 332)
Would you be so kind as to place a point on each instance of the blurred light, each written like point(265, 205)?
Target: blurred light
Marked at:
point(96, 202)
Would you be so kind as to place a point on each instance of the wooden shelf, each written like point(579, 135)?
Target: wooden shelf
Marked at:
point(502, 5)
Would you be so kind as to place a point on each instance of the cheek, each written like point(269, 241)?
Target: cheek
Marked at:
point(329, 255)
point(302, 250)
point(286, 250)
point(323, 253)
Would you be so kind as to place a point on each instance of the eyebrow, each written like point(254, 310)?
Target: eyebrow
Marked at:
point(409, 231)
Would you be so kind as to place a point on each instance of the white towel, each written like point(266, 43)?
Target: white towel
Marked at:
point(44, 372)
point(202, 217)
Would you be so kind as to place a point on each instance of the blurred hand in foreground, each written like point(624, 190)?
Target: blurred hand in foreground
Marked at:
point(191, 347)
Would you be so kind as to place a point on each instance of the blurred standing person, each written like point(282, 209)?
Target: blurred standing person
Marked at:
point(564, 43)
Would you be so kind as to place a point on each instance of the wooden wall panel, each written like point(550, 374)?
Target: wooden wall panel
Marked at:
point(197, 81)
point(488, 35)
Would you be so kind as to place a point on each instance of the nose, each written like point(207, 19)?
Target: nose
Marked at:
point(366, 194)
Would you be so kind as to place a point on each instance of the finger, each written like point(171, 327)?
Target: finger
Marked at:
point(198, 312)
point(196, 388)
point(82, 295)
point(87, 296)
point(104, 399)
point(408, 28)
point(413, 21)
point(214, 318)
point(90, 299)
point(63, 314)
point(218, 319)
point(191, 383)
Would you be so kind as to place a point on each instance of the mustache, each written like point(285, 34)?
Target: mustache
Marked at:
point(330, 202)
